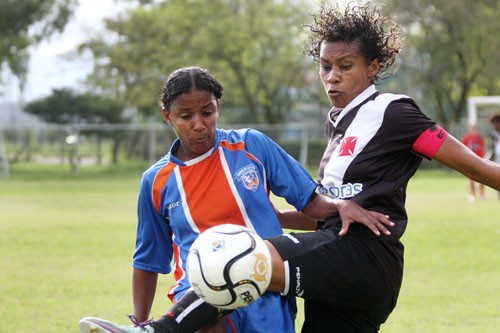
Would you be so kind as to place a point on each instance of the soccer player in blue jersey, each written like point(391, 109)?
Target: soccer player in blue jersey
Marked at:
point(212, 176)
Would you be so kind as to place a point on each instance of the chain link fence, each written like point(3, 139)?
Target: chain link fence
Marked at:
point(105, 144)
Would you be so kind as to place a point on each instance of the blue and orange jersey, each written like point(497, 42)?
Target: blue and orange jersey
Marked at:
point(229, 184)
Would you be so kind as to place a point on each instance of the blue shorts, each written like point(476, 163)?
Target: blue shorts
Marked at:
point(271, 313)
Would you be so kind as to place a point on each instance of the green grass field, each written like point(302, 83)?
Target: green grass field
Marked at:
point(66, 244)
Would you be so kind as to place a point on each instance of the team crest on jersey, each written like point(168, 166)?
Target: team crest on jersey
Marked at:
point(347, 146)
point(249, 177)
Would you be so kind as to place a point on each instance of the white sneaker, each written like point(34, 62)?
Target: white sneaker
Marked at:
point(97, 325)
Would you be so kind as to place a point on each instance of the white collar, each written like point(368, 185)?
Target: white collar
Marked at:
point(355, 102)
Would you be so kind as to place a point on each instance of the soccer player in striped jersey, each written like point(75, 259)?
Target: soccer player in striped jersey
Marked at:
point(376, 141)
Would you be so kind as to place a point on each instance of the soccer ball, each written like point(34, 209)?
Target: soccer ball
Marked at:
point(229, 266)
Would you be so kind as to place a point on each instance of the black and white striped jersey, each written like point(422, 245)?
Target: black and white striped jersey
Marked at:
point(375, 146)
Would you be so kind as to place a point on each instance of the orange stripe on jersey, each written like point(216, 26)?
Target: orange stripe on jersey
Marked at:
point(232, 146)
point(236, 146)
point(178, 272)
point(159, 184)
point(209, 195)
point(231, 324)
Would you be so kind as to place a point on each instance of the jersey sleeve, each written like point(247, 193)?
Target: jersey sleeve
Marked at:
point(286, 177)
point(408, 128)
point(153, 248)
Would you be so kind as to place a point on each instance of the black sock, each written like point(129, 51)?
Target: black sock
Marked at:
point(188, 315)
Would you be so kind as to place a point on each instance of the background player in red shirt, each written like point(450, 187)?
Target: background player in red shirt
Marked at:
point(476, 142)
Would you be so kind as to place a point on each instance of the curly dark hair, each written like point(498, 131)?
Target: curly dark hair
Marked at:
point(184, 80)
point(362, 24)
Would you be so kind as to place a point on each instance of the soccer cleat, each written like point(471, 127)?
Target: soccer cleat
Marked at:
point(97, 325)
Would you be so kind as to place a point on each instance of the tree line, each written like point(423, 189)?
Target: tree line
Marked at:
point(255, 48)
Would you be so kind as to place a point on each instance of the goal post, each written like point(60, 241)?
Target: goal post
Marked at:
point(475, 101)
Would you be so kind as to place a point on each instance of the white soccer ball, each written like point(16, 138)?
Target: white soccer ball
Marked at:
point(229, 266)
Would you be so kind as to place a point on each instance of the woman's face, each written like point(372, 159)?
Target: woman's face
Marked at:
point(193, 116)
point(344, 71)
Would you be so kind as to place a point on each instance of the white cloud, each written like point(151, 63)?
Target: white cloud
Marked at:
point(49, 65)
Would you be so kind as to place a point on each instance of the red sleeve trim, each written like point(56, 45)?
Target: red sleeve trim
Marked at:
point(429, 141)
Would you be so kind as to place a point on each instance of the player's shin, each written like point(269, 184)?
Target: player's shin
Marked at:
point(189, 314)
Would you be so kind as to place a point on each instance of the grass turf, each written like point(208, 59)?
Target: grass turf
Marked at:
point(66, 244)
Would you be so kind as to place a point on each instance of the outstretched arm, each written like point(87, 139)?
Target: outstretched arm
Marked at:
point(457, 156)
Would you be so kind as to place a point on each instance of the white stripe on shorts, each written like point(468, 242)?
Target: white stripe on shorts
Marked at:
point(293, 239)
point(287, 278)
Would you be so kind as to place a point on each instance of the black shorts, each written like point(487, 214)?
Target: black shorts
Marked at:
point(356, 277)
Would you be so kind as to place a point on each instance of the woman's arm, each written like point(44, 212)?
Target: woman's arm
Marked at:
point(143, 292)
point(457, 156)
point(293, 219)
